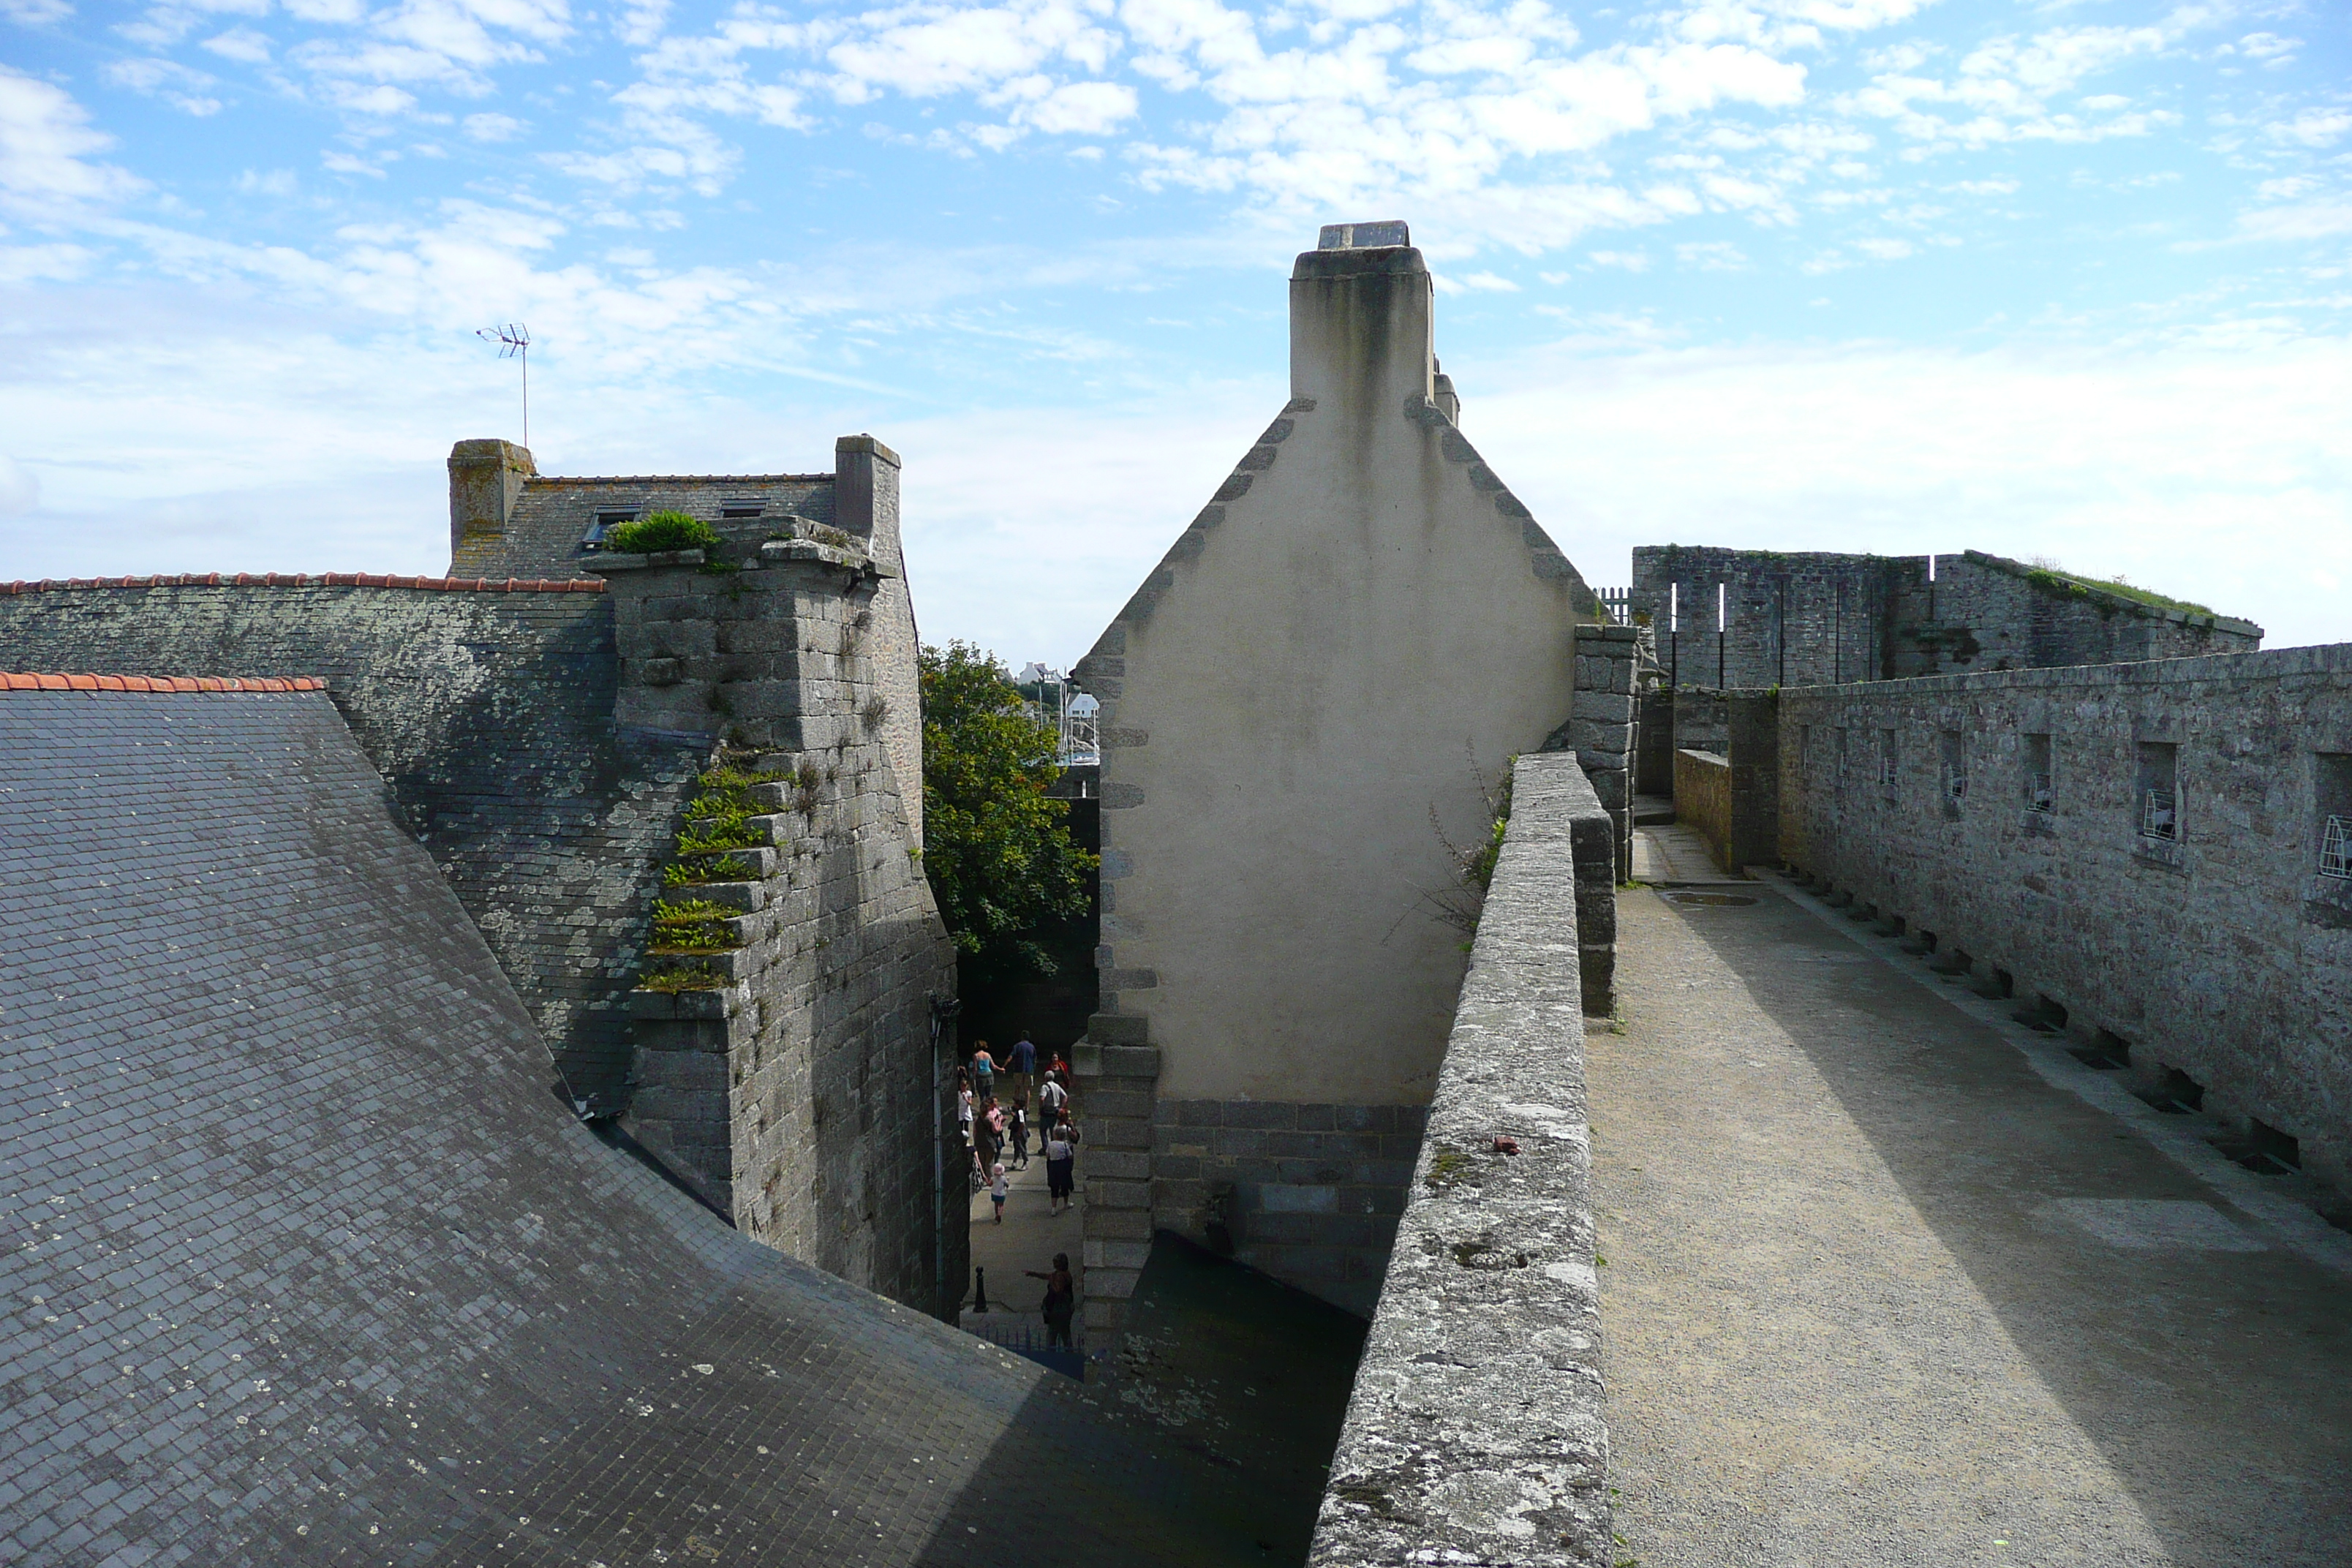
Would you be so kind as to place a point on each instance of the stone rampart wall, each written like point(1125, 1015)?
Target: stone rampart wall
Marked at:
point(489, 713)
point(1702, 799)
point(1476, 1432)
point(1807, 618)
point(542, 742)
point(2009, 815)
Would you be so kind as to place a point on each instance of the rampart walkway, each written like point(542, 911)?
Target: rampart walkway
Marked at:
point(1889, 1281)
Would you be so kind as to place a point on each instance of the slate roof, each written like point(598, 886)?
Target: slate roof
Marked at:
point(300, 1261)
point(544, 536)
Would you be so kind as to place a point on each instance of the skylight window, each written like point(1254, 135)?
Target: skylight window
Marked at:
point(607, 518)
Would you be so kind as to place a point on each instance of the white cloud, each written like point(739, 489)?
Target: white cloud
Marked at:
point(1885, 249)
point(2312, 128)
point(46, 141)
point(1712, 255)
point(1080, 109)
point(2005, 88)
point(174, 83)
point(640, 22)
point(37, 13)
point(276, 182)
point(19, 490)
point(1474, 283)
point(494, 127)
point(241, 44)
point(59, 262)
point(345, 163)
point(2308, 220)
point(2268, 48)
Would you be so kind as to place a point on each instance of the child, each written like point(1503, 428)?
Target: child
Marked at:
point(997, 1189)
point(1020, 1135)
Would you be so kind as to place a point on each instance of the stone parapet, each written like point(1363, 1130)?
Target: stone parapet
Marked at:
point(2138, 852)
point(1601, 729)
point(1476, 1431)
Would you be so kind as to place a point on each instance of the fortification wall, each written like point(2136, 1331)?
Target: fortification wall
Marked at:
point(798, 1087)
point(1810, 618)
point(2008, 815)
point(489, 711)
point(1478, 1431)
point(542, 742)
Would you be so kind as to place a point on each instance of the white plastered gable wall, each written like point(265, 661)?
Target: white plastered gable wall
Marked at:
point(1360, 626)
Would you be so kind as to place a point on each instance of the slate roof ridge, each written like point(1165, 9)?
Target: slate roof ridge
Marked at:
point(316, 580)
point(532, 480)
point(43, 681)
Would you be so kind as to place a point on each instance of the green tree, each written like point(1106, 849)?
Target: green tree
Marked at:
point(996, 848)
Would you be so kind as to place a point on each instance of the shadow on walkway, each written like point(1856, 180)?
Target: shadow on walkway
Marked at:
point(2210, 1371)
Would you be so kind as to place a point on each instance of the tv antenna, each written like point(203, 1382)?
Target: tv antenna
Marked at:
point(514, 342)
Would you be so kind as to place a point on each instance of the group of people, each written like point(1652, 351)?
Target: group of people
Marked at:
point(990, 1124)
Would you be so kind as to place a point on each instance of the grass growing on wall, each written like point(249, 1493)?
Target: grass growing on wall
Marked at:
point(717, 821)
point(2075, 585)
point(661, 531)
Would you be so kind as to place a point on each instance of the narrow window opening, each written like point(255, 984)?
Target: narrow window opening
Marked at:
point(2271, 1143)
point(2158, 791)
point(1886, 763)
point(2039, 795)
point(1955, 767)
point(2042, 1015)
point(752, 507)
point(2107, 1051)
point(2332, 787)
point(607, 519)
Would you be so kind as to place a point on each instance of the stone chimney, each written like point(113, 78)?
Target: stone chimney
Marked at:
point(484, 482)
point(1360, 321)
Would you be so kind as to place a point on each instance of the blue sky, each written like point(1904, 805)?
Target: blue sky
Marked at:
point(2067, 280)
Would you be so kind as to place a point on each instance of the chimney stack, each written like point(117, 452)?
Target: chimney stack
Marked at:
point(484, 482)
point(1360, 321)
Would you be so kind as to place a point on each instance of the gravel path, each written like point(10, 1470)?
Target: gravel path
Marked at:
point(1879, 1291)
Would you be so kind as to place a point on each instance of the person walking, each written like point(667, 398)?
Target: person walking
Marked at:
point(1061, 1164)
point(998, 1189)
point(984, 1070)
point(1020, 1067)
point(1061, 1299)
point(1053, 1099)
point(964, 1119)
point(983, 1144)
point(1019, 1127)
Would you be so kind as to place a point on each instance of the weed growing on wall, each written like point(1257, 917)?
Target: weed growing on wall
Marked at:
point(693, 925)
point(718, 820)
point(719, 816)
point(2072, 586)
point(1460, 906)
point(661, 531)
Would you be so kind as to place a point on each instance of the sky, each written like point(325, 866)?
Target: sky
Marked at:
point(2060, 282)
